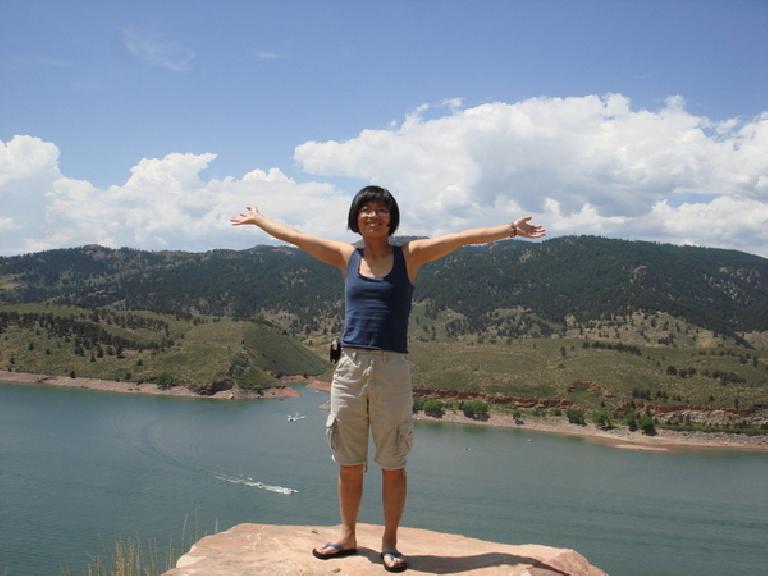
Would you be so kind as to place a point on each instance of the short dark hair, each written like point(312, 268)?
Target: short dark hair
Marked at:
point(374, 194)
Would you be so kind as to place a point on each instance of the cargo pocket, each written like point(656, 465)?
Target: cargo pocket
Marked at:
point(331, 430)
point(405, 438)
point(345, 372)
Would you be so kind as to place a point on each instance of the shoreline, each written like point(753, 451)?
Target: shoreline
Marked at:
point(620, 438)
point(128, 387)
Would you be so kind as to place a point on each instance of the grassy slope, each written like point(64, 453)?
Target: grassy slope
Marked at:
point(537, 369)
point(202, 352)
point(545, 367)
point(526, 367)
point(280, 354)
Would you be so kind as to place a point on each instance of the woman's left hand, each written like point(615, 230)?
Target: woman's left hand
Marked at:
point(526, 230)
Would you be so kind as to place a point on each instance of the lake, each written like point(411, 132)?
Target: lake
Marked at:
point(79, 469)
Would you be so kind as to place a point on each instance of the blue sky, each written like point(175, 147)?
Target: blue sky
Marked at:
point(146, 124)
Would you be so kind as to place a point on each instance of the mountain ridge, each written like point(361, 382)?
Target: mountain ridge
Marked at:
point(579, 277)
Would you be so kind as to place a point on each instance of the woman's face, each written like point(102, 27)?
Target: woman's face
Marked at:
point(373, 218)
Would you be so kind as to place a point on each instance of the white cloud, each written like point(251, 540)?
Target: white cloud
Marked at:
point(725, 222)
point(585, 221)
point(589, 165)
point(163, 204)
point(7, 224)
point(156, 51)
point(25, 158)
point(583, 165)
point(28, 168)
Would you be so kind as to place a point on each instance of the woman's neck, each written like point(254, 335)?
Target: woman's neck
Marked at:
point(376, 247)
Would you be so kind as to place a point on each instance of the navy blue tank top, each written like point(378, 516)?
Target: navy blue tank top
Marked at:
point(376, 310)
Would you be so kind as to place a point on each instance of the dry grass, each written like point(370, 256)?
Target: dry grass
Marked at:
point(129, 558)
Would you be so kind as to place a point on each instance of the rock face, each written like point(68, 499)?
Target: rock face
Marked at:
point(264, 549)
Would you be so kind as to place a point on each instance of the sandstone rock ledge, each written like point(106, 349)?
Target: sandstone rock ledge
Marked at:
point(264, 549)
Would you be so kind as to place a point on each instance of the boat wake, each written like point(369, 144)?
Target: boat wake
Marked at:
point(256, 484)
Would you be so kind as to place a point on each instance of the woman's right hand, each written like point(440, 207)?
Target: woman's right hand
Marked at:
point(248, 217)
point(331, 252)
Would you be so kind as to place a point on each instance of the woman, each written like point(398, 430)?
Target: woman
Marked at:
point(372, 382)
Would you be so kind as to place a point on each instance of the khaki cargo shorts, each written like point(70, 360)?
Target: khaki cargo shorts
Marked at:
point(371, 387)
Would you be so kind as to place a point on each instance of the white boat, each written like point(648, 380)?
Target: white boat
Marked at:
point(296, 417)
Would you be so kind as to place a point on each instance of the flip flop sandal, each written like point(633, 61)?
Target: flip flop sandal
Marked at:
point(337, 551)
point(394, 555)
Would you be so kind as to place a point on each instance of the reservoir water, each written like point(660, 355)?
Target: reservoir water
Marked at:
point(79, 469)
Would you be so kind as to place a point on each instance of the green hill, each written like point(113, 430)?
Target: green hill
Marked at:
point(642, 322)
point(583, 278)
point(204, 353)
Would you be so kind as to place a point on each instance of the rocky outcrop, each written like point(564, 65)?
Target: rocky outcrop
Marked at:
point(590, 385)
point(269, 550)
point(492, 398)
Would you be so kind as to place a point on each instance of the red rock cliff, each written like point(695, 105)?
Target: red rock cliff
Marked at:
point(263, 549)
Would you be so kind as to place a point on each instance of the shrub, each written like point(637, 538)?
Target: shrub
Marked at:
point(476, 409)
point(602, 419)
point(576, 416)
point(165, 380)
point(433, 408)
point(647, 425)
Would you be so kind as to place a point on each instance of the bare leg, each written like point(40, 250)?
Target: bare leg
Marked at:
point(394, 488)
point(350, 494)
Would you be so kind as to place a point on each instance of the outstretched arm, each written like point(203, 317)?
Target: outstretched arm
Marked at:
point(423, 251)
point(328, 251)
